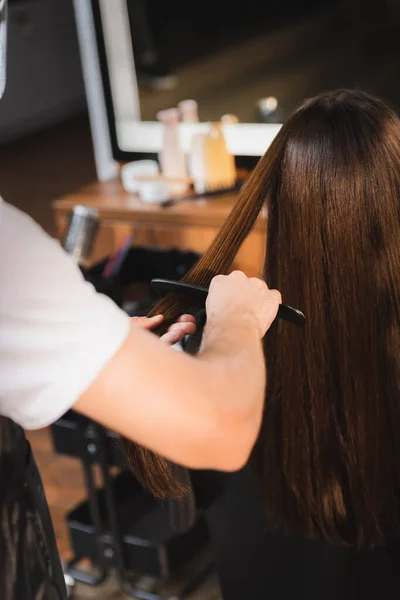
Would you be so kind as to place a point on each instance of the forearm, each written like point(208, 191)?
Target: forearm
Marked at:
point(235, 350)
point(201, 412)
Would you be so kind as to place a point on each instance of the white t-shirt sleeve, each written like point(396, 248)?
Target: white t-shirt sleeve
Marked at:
point(56, 332)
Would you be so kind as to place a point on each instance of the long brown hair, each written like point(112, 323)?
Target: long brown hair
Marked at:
point(328, 454)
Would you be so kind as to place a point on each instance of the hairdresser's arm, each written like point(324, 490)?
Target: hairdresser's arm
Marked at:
point(202, 412)
point(62, 345)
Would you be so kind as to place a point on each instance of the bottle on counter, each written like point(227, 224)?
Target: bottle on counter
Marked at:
point(189, 111)
point(211, 165)
point(172, 157)
point(229, 119)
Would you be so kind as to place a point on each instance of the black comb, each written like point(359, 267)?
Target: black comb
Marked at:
point(162, 287)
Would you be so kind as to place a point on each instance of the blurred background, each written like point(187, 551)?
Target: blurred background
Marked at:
point(228, 56)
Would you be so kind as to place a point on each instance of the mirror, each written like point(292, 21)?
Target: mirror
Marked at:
point(256, 61)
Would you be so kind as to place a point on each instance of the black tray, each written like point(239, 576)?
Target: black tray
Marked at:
point(149, 546)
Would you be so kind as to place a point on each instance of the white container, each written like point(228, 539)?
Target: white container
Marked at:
point(153, 191)
point(137, 168)
point(172, 158)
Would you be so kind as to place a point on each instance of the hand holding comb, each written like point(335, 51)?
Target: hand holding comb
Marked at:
point(162, 287)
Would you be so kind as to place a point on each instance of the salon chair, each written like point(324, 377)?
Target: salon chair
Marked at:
point(120, 527)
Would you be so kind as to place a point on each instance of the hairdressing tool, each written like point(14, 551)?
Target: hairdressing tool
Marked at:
point(81, 233)
point(196, 196)
point(162, 287)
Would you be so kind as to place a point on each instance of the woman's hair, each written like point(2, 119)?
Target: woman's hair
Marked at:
point(328, 454)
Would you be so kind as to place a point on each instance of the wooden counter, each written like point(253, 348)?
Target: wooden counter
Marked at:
point(188, 225)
